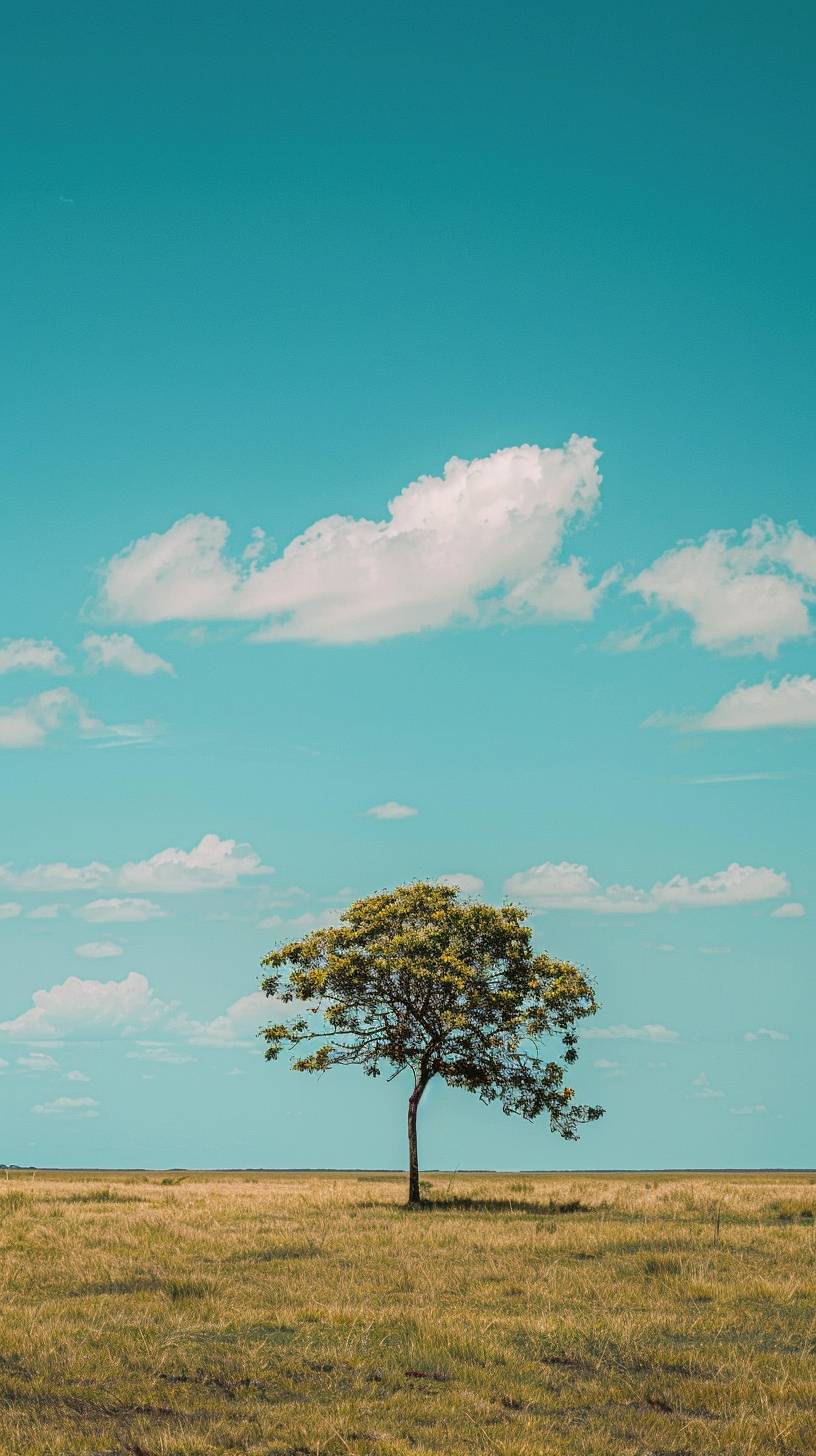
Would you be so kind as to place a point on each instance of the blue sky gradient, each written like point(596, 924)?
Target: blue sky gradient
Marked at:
point(268, 266)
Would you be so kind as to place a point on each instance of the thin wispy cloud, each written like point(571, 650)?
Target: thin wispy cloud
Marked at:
point(652, 1031)
point(738, 778)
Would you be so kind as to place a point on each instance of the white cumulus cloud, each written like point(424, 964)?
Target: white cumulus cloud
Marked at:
point(25, 653)
point(482, 540)
point(10, 910)
point(30, 724)
point(391, 810)
point(791, 703)
point(157, 1051)
point(37, 1062)
point(743, 594)
point(237, 1026)
point(767, 1032)
point(119, 649)
point(89, 1008)
point(68, 1107)
point(98, 950)
point(791, 911)
point(568, 886)
point(213, 864)
point(120, 911)
point(468, 884)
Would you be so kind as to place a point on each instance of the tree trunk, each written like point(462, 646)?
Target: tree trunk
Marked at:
point(414, 1198)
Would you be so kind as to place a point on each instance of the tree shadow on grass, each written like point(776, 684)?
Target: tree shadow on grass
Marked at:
point(463, 1204)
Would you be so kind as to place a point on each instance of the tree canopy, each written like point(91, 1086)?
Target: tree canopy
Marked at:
point(417, 979)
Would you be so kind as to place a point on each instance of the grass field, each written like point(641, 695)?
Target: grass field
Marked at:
point(156, 1314)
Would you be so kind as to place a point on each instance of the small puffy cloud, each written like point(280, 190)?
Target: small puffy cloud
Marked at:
point(281, 899)
point(240, 1022)
point(68, 1107)
point(44, 912)
point(714, 950)
point(77, 1077)
point(37, 1062)
point(56, 878)
point(755, 1109)
point(98, 950)
point(391, 810)
point(155, 1051)
point(566, 886)
point(649, 1032)
point(270, 922)
point(609, 1068)
point(703, 1089)
point(468, 884)
point(791, 911)
point(768, 1033)
point(118, 649)
point(10, 910)
point(790, 703)
point(24, 653)
point(30, 724)
point(213, 864)
point(88, 1008)
point(481, 542)
point(314, 920)
point(120, 912)
point(747, 594)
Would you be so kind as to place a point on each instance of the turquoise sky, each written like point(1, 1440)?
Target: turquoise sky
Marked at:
point(265, 267)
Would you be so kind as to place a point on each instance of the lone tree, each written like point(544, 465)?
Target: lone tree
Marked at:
point(418, 980)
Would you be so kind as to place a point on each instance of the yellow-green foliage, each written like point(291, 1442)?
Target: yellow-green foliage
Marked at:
point(189, 1315)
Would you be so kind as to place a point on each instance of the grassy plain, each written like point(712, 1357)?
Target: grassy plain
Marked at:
point(194, 1314)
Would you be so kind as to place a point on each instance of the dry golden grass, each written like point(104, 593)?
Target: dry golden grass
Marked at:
point(535, 1315)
